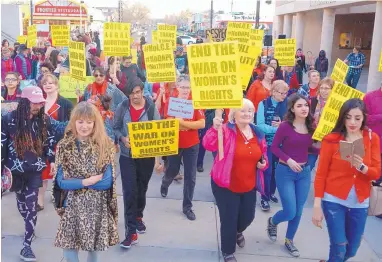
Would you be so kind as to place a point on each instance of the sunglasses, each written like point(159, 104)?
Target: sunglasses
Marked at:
point(99, 75)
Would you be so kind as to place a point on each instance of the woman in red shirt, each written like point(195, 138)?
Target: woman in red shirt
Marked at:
point(237, 176)
point(188, 150)
point(260, 89)
point(342, 187)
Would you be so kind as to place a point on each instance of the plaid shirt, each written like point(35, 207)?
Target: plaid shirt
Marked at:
point(355, 60)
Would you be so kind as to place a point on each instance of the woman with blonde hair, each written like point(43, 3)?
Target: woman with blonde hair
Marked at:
point(58, 108)
point(236, 177)
point(84, 186)
point(270, 113)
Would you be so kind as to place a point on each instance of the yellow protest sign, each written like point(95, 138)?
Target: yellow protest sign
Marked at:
point(340, 70)
point(215, 75)
point(167, 33)
point(339, 95)
point(22, 39)
point(216, 34)
point(77, 60)
point(154, 138)
point(68, 85)
point(380, 63)
point(32, 36)
point(159, 60)
point(256, 38)
point(248, 56)
point(116, 39)
point(154, 37)
point(285, 51)
point(238, 31)
point(60, 35)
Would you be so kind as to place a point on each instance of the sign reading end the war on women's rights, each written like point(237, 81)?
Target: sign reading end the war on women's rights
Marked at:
point(159, 60)
point(238, 31)
point(60, 35)
point(339, 95)
point(215, 75)
point(116, 39)
point(154, 138)
point(182, 108)
point(77, 60)
point(285, 51)
point(340, 70)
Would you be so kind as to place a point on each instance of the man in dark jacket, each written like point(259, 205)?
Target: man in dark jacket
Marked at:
point(27, 141)
point(131, 70)
point(135, 173)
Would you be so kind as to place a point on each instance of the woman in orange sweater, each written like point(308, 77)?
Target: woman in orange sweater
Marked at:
point(342, 187)
point(260, 89)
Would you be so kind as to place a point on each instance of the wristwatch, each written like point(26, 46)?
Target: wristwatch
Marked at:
point(361, 167)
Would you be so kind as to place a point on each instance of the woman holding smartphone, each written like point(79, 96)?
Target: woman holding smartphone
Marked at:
point(269, 114)
point(291, 144)
point(342, 187)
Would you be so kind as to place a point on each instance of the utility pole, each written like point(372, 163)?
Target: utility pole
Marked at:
point(212, 13)
point(31, 5)
point(120, 10)
point(231, 6)
point(257, 14)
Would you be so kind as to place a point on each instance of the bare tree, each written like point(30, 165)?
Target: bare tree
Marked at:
point(135, 12)
point(178, 19)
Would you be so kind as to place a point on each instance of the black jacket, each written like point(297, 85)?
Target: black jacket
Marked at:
point(65, 109)
point(133, 71)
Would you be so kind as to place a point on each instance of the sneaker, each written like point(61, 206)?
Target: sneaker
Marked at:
point(240, 240)
point(130, 240)
point(274, 199)
point(163, 191)
point(141, 227)
point(291, 248)
point(27, 254)
point(200, 169)
point(272, 230)
point(265, 205)
point(190, 214)
point(39, 208)
point(229, 258)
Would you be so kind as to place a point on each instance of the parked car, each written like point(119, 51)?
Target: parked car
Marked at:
point(188, 40)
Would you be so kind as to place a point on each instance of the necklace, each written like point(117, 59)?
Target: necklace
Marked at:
point(246, 141)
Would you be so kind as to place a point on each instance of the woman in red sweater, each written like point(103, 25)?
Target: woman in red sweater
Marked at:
point(342, 187)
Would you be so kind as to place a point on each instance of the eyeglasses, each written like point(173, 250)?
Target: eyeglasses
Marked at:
point(325, 89)
point(10, 80)
point(137, 93)
point(99, 75)
point(283, 94)
point(184, 87)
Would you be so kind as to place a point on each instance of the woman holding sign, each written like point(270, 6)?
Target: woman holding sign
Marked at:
point(58, 108)
point(238, 175)
point(291, 144)
point(342, 185)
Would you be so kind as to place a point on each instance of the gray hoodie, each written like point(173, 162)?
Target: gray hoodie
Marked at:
point(122, 117)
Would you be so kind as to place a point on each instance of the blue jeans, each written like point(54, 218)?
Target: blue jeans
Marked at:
point(190, 156)
point(71, 255)
point(293, 189)
point(202, 150)
point(352, 79)
point(345, 227)
point(269, 176)
point(312, 159)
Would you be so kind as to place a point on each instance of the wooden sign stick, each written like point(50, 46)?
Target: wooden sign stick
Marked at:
point(219, 115)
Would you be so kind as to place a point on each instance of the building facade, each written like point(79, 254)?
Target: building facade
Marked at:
point(335, 26)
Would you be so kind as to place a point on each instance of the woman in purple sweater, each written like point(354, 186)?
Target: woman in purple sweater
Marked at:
point(291, 144)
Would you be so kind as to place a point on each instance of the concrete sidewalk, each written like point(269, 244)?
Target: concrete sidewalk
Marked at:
point(171, 237)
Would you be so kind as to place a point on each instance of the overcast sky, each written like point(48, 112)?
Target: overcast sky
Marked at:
point(159, 8)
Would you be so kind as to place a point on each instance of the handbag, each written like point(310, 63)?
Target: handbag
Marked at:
point(6, 180)
point(375, 207)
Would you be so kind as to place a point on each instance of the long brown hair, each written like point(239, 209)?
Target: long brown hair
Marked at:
point(98, 137)
point(262, 75)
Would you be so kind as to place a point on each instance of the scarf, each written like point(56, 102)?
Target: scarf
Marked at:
point(319, 108)
point(99, 89)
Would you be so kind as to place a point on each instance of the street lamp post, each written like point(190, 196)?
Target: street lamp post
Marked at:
point(81, 2)
point(257, 14)
point(212, 13)
point(31, 5)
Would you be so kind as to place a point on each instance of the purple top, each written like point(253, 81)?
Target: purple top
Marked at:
point(287, 143)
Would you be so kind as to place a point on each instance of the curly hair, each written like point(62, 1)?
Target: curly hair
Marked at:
point(290, 116)
point(23, 137)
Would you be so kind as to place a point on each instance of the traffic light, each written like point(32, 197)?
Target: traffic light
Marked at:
point(91, 19)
